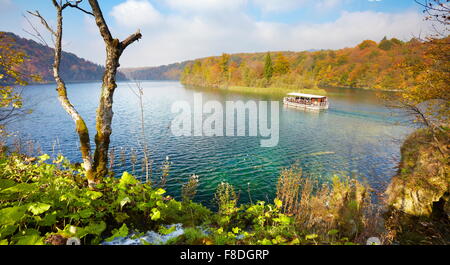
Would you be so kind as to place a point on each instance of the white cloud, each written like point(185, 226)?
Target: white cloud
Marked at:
point(136, 13)
point(268, 6)
point(276, 5)
point(181, 38)
point(205, 5)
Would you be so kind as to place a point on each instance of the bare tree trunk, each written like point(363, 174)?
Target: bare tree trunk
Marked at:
point(114, 49)
point(80, 125)
point(98, 167)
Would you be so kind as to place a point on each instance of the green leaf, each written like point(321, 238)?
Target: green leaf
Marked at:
point(120, 217)
point(278, 203)
point(12, 215)
point(165, 231)
point(49, 219)
point(155, 215)
point(127, 179)
point(91, 229)
point(86, 213)
point(7, 230)
point(283, 219)
point(333, 232)
point(4, 242)
point(121, 232)
point(6, 183)
point(296, 241)
point(265, 241)
point(44, 158)
point(93, 195)
point(21, 188)
point(28, 237)
point(124, 201)
point(38, 208)
point(160, 191)
point(311, 236)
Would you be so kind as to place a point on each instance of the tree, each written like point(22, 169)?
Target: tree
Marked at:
point(114, 49)
point(225, 67)
point(224, 63)
point(437, 11)
point(385, 44)
point(428, 97)
point(268, 67)
point(96, 167)
point(281, 65)
point(11, 77)
point(366, 44)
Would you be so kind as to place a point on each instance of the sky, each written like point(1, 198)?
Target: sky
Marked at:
point(178, 30)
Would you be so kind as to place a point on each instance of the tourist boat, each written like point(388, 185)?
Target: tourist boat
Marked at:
point(306, 101)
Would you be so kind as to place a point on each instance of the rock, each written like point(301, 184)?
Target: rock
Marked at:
point(373, 241)
point(422, 185)
point(56, 240)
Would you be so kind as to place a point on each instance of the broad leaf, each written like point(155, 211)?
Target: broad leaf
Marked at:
point(38, 208)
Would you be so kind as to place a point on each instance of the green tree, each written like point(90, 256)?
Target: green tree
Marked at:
point(268, 67)
point(224, 63)
point(385, 44)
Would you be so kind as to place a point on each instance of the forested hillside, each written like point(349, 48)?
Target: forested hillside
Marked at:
point(368, 65)
point(39, 60)
point(164, 72)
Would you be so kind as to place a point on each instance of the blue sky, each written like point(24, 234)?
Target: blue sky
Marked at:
point(176, 30)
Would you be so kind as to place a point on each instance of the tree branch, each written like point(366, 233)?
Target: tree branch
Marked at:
point(132, 38)
point(100, 21)
point(75, 5)
point(43, 21)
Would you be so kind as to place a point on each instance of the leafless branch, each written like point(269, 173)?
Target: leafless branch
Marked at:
point(132, 38)
point(75, 5)
point(43, 21)
point(37, 35)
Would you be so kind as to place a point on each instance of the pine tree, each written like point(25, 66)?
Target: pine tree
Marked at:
point(268, 67)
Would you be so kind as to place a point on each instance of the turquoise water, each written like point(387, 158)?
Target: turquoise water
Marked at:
point(356, 136)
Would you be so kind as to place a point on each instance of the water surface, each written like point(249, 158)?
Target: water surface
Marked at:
point(356, 136)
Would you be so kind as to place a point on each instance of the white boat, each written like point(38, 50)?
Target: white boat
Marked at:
point(306, 101)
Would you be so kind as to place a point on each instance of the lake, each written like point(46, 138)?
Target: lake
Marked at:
point(357, 136)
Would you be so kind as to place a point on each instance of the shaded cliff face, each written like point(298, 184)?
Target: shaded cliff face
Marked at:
point(40, 60)
point(422, 185)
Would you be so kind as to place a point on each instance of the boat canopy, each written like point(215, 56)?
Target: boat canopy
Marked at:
point(305, 95)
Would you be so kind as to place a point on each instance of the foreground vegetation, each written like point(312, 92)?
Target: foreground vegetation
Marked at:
point(47, 203)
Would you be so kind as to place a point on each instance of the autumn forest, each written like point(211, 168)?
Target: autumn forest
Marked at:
point(386, 65)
